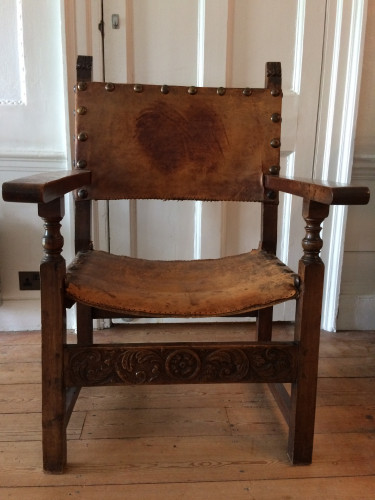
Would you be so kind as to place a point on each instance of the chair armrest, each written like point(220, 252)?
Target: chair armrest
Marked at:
point(43, 188)
point(329, 193)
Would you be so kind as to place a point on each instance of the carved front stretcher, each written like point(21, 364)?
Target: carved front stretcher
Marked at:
point(182, 363)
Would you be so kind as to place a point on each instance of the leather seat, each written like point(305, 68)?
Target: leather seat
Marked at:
point(197, 288)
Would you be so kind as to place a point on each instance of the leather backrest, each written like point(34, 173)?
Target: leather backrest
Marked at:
point(176, 143)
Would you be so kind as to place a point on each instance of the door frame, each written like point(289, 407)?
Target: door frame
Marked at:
point(338, 105)
point(338, 108)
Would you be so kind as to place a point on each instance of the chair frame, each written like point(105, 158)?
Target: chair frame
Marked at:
point(65, 367)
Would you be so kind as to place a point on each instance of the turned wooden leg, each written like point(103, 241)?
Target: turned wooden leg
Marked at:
point(52, 273)
point(307, 334)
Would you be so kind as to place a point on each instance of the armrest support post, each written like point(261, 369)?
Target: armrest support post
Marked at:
point(314, 214)
point(52, 213)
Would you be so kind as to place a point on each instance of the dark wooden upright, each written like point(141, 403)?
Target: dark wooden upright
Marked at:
point(83, 222)
point(52, 275)
point(269, 210)
point(307, 334)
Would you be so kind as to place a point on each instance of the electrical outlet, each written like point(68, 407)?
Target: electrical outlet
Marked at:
point(29, 280)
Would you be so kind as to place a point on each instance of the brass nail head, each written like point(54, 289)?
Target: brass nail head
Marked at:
point(276, 117)
point(192, 90)
point(275, 92)
point(247, 91)
point(82, 194)
point(82, 86)
point(109, 87)
point(275, 143)
point(274, 170)
point(81, 164)
point(82, 110)
point(271, 195)
point(138, 88)
point(297, 281)
point(164, 89)
point(221, 91)
point(82, 136)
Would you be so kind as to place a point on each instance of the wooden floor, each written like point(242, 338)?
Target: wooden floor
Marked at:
point(191, 442)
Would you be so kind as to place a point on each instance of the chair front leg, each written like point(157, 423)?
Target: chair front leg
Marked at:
point(52, 274)
point(307, 334)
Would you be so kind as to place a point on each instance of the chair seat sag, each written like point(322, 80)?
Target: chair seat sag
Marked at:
point(195, 288)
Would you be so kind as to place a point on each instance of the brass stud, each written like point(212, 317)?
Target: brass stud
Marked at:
point(192, 90)
point(276, 117)
point(221, 91)
point(82, 86)
point(275, 143)
point(138, 88)
point(110, 87)
point(271, 195)
point(274, 170)
point(164, 89)
point(297, 281)
point(81, 164)
point(275, 92)
point(82, 110)
point(82, 136)
point(82, 194)
point(247, 91)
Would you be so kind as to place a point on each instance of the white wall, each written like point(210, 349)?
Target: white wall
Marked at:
point(33, 112)
point(357, 299)
point(32, 139)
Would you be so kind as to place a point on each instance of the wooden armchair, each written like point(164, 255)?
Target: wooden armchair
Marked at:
point(176, 143)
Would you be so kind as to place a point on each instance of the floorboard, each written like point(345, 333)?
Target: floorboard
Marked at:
point(191, 442)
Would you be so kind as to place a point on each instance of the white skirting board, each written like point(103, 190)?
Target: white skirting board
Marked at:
point(24, 315)
point(356, 312)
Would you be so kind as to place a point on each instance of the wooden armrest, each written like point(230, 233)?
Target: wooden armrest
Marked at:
point(329, 193)
point(43, 188)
